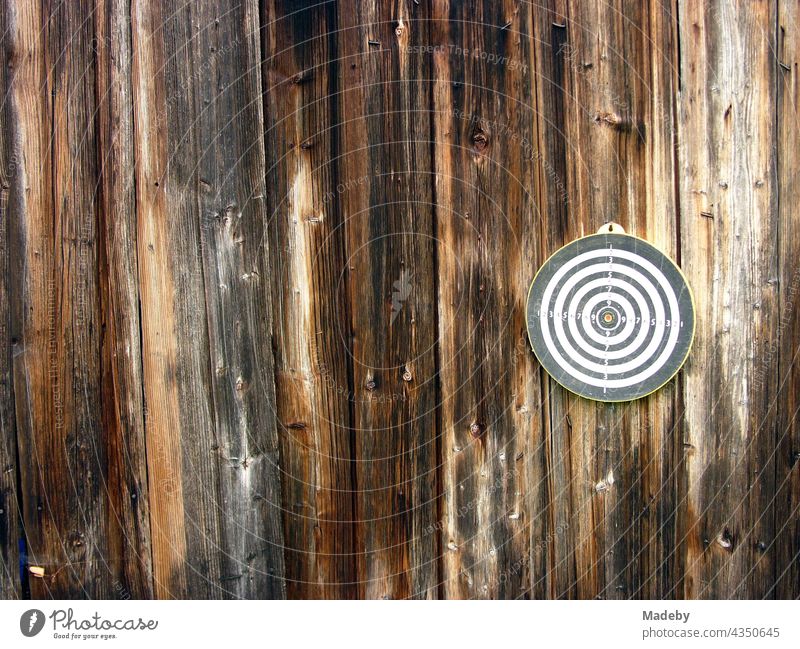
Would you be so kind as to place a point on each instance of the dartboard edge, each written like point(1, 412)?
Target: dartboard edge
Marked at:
point(560, 369)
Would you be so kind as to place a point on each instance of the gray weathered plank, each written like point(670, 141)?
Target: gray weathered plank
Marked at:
point(206, 313)
point(728, 250)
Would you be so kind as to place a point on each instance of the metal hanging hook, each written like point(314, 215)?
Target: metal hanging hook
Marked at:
point(611, 228)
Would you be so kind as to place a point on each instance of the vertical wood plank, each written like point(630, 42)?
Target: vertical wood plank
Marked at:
point(59, 399)
point(77, 527)
point(309, 293)
point(387, 206)
point(486, 229)
point(123, 403)
point(605, 86)
point(236, 273)
point(206, 312)
point(553, 568)
point(728, 249)
point(655, 466)
point(787, 459)
point(10, 185)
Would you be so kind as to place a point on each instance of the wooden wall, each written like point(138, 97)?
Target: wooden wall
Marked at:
point(264, 270)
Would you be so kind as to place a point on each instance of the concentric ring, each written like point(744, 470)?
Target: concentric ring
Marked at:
point(610, 317)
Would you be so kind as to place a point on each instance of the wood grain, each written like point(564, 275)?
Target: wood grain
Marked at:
point(10, 185)
point(385, 159)
point(123, 411)
point(787, 444)
point(88, 536)
point(206, 309)
point(262, 306)
point(553, 569)
point(728, 236)
point(637, 115)
point(605, 88)
point(312, 376)
point(483, 115)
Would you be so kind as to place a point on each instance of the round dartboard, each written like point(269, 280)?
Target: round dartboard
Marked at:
point(610, 317)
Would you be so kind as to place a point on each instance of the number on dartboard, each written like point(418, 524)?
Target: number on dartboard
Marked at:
point(610, 317)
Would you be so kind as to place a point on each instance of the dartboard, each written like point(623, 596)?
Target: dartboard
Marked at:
point(610, 317)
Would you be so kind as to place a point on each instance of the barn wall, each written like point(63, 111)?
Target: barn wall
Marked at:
point(262, 303)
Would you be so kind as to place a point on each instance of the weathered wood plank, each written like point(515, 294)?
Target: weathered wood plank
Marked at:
point(728, 249)
point(10, 192)
point(787, 459)
point(78, 405)
point(656, 448)
point(553, 569)
point(384, 162)
point(206, 313)
point(236, 267)
point(312, 325)
point(486, 234)
point(57, 312)
point(128, 516)
point(605, 93)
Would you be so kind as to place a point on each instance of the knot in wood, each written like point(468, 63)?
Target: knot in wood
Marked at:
point(480, 139)
point(726, 540)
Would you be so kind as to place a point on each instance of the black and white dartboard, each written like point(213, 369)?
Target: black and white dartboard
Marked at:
point(610, 317)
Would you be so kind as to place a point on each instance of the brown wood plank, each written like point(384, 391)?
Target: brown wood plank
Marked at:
point(787, 459)
point(123, 404)
point(10, 185)
point(309, 294)
point(486, 249)
point(83, 521)
point(57, 393)
point(72, 520)
point(384, 164)
point(605, 91)
point(206, 311)
point(553, 569)
point(728, 249)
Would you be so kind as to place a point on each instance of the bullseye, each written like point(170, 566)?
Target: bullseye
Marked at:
point(610, 317)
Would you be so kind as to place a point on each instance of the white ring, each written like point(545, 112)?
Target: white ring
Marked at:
point(603, 382)
point(658, 334)
point(630, 323)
